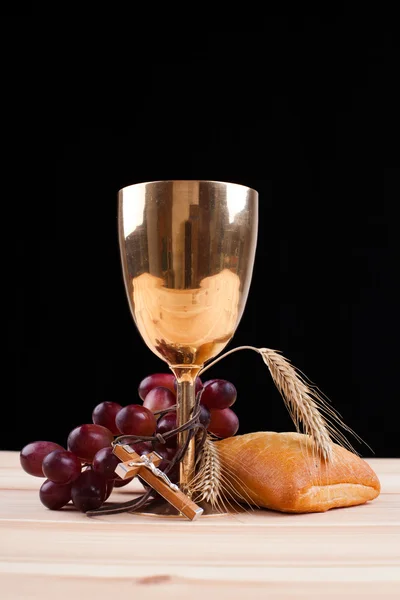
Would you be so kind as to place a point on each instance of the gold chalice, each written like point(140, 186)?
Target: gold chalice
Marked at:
point(187, 251)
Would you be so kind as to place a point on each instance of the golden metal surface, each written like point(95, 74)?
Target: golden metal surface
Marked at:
point(187, 251)
point(185, 399)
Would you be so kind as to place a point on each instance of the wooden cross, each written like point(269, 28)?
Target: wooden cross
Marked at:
point(145, 467)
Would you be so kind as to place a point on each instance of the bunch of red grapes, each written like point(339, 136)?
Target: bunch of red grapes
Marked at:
point(85, 472)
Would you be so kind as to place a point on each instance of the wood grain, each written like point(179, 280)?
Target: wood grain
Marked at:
point(347, 553)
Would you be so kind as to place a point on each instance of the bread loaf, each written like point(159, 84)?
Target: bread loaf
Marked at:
point(282, 471)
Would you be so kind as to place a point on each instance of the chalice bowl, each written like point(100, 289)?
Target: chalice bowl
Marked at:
point(187, 252)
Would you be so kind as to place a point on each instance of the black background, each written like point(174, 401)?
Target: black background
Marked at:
point(306, 112)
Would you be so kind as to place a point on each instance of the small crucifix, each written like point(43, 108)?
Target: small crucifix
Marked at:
point(145, 467)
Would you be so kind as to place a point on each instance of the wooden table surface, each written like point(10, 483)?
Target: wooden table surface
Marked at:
point(344, 553)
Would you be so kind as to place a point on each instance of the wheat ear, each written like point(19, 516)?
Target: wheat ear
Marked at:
point(305, 403)
point(308, 405)
point(207, 482)
point(300, 400)
point(216, 484)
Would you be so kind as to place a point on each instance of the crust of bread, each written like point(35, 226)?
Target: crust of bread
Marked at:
point(283, 471)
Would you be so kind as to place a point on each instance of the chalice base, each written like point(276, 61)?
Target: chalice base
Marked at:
point(161, 508)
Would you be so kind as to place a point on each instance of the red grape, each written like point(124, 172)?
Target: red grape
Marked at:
point(218, 394)
point(118, 483)
point(142, 447)
point(54, 495)
point(109, 488)
point(198, 385)
point(136, 420)
point(105, 463)
point(224, 423)
point(89, 491)
point(159, 398)
point(33, 454)
point(205, 416)
point(105, 413)
point(61, 466)
point(173, 474)
point(156, 380)
point(166, 423)
point(84, 441)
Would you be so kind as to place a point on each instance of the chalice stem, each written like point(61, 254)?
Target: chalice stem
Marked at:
point(185, 400)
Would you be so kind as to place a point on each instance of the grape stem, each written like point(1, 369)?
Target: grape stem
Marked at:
point(164, 411)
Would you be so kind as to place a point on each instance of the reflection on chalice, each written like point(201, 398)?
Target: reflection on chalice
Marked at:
point(191, 325)
point(187, 250)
